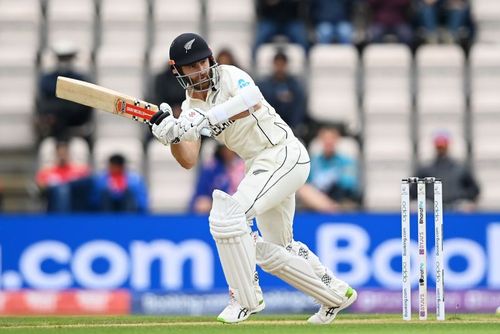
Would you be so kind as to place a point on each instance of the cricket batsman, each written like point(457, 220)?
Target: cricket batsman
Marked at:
point(225, 101)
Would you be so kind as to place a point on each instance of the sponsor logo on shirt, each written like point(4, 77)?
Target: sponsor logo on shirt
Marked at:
point(242, 83)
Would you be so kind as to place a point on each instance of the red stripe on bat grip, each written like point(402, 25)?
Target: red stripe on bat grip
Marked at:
point(138, 111)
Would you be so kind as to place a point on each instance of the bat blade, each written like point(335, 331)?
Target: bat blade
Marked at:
point(105, 99)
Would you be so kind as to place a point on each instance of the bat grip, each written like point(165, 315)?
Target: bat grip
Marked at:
point(206, 132)
point(148, 120)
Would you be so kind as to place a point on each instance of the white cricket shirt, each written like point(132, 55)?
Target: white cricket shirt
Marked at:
point(250, 135)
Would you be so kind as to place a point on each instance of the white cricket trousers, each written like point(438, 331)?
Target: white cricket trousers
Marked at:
point(267, 192)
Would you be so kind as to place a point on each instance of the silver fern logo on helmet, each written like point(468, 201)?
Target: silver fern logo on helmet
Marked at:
point(189, 45)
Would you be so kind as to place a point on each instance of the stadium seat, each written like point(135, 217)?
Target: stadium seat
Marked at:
point(382, 184)
point(17, 78)
point(440, 67)
point(382, 148)
point(242, 52)
point(123, 27)
point(485, 118)
point(160, 54)
point(173, 17)
point(17, 86)
point(123, 65)
point(347, 146)
point(265, 54)
point(130, 148)
point(486, 14)
point(440, 90)
point(333, 82)
point(82, 61)
point(387, 75)
point(485, 67)
point(335, 108)
point(170, 185)
point(427, 151)
point(71, 20)
point(387, 101)
point(489, 181)
point(158, 57)
point(15, 11)
point(79, 151)
point(387, 134)
point(453, 123)
point(485, 85)
point(123, 72)
point(386, 162)
point(20, 24)
point(115, 127)
point(230, 20)
point(16, 132)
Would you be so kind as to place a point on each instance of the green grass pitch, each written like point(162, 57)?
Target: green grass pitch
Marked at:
point(262, 324)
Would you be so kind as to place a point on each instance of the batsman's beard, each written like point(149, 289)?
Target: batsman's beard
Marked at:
point(200, 81)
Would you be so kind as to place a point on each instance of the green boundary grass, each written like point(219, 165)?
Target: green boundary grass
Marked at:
point(262, 324)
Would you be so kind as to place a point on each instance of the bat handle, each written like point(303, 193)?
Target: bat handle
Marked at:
point(165, 110)
point(206, 132)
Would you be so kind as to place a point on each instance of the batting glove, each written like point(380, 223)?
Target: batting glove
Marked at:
point(193, 123)
point(165, 127)
point(160, 115)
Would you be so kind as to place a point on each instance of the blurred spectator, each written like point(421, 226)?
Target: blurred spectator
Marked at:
point(167, 89)
point(461, 189)
point(285, 93)
point(332, 185)
point(281, 17)
point(455, 14)
point(119, 190)
point(54, 116)
point(390, 18)
point(332, 21)
point(226, 57)
point(224, 172)
point(66, 184)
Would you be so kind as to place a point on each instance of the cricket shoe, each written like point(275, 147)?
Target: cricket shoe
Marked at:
point(327, 314)
point(234, 312)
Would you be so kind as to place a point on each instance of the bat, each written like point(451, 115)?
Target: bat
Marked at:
point(105, 99)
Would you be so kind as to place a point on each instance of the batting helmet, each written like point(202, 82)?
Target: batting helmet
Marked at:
point(189, 48)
